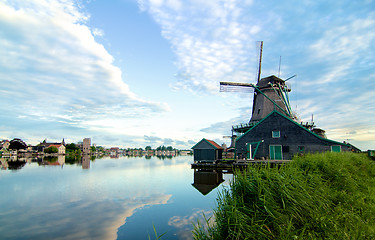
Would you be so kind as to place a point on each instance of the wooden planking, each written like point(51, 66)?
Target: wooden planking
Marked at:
point(238, 164)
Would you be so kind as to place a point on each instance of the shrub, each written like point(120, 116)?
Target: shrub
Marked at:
point(51, 149)
point(317, 196)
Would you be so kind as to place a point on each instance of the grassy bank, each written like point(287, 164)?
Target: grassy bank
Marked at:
point(318, 196)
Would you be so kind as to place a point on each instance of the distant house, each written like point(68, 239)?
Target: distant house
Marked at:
point(207, 151)
point(115, 151)
point(4, 144)
point(278, 137)
point(45, 144)
point(60, 147)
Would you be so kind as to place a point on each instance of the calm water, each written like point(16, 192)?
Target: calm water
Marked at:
point(108, 198)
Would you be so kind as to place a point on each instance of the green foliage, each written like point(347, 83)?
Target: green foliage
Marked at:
point(50, 159)
point(148, 148)
point(318, 196)
point(71, 147)
point(4, 150)
point(72, 159)
point(51, 149)
point(75, 153)
point(93, 149)
point(156, 234)
point(164, 148)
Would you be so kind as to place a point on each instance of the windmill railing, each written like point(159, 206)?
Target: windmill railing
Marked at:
point(243, 127)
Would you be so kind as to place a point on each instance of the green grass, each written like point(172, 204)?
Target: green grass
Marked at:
point(317, 196)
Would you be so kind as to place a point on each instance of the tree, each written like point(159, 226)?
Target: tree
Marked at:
point(93, 149)
point(51, 149)
point(71, 147)
point(148, 148)
point(161, 148)
point(17, 144)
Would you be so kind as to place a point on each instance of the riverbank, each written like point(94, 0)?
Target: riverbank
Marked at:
point(318, 196)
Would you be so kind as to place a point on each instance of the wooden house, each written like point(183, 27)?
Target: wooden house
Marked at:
point(207, 151)
point(278, 137)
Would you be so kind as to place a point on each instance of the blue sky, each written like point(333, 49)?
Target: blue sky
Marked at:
point(135, 73)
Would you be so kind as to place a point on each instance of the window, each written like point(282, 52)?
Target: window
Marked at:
point(336, 148)
point(275, 134)
point(301, 149)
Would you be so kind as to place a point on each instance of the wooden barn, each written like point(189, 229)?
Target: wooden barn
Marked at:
point(278, 137)
point(207, 151)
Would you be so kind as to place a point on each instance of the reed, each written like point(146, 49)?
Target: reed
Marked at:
point(316, 196)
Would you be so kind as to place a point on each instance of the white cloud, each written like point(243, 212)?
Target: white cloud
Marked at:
point(343, 47)
point(209, 38)
point(52, 68)
point(98, 32)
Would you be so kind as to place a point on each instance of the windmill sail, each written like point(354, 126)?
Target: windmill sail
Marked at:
point(260, 46)
point(236, 87)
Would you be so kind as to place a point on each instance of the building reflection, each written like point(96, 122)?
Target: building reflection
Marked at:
point(13, 164)
point(85, 161)
point(4, 164)
point(207, 180)
point(16, 163)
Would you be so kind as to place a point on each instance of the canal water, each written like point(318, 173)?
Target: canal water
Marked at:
point(107, 198)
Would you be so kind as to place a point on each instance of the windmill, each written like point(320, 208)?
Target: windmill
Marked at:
point(232, 140)
point(270, 93)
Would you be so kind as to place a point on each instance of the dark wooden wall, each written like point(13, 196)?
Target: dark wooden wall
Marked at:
point(292, 136)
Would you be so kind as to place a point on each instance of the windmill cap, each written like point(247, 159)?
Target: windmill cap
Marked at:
point(263, 83)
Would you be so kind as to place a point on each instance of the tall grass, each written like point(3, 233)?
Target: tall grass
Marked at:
point(317, 196)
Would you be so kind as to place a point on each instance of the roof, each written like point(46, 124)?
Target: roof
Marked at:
point(47, 145)
point(299, 125)
point(212, 143)
point(263, 83)
point(204, 188)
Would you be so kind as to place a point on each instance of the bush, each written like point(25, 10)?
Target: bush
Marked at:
point(318, 196)
point(71, 147)
point(51, 149)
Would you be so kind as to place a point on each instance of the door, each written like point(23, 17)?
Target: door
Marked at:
point(248, 151)
point(336, 148)
point(276, 152)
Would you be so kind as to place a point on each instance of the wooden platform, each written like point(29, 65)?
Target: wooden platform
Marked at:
point(229, 165)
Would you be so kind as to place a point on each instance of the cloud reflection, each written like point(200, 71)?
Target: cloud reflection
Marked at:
point(83, 219)
point(184, 224)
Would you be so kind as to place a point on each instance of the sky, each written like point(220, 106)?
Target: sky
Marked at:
point(133, 73)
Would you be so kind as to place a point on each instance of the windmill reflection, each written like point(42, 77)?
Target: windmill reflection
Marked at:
point(207, 180)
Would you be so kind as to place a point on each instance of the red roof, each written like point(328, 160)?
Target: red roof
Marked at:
point(55, 145)
point(214, 144)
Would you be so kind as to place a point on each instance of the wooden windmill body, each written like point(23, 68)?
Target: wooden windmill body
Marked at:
point(270, 93)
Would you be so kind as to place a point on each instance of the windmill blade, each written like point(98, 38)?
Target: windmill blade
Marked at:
point(260, 47)
point(236, 87)
point(227, 88)
point(290, 77)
